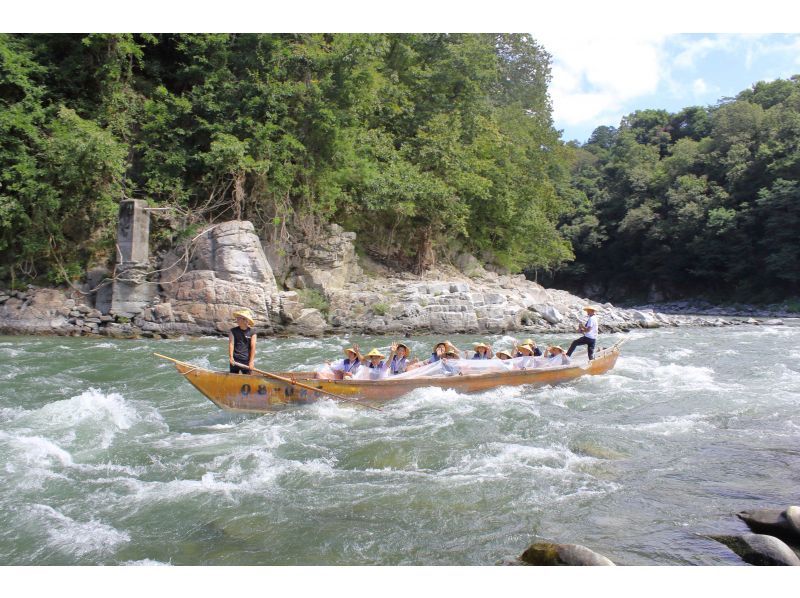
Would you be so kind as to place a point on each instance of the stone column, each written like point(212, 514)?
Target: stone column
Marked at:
point(131, 292)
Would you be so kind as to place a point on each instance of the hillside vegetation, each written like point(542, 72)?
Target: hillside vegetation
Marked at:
point(702, 202)
point(423, 144)
point(426, 145)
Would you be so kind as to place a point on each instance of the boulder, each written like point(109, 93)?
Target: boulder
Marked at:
point(225, 270)
point(783, 524)
point(548, 554)
point(760, 549)
point(310, 322)
point(645, 320)
point(548, 312)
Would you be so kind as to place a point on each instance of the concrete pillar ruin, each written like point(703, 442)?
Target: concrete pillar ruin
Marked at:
point(131, 291)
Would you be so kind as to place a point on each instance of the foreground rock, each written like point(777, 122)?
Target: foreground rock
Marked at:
point(548, 554)
point(760, 549)
point(783, 524)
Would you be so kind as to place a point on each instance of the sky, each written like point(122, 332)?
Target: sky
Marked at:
point(598, 80)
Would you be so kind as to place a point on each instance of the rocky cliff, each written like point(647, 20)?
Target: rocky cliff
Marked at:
point(324, 290)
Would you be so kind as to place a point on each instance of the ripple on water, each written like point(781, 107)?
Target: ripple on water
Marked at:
point(79, 538)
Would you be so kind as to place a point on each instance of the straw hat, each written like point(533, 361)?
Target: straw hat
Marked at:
point(529, 341)
point(557, 348)
point(479, 345)
point(450, 347)
point(526, 347)
point(246, 314)
point(591, 308)
point(505, 353)
point(350, 350)
point(374, 353)
point(405, 346)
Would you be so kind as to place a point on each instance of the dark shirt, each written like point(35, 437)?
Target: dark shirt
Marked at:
point(241, 344)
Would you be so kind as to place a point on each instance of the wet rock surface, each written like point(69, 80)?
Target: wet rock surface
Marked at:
point(549, 554)
point(760, 549)
point(324, 290)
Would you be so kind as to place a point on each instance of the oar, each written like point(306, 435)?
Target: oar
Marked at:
point(301, 385)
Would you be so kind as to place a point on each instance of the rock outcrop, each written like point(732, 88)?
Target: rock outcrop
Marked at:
point(224, 270)
point(324, 290)
point(760, 549)
point(549, 554)
point(783, 524)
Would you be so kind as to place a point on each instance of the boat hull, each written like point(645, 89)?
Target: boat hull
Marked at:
point(260, 394)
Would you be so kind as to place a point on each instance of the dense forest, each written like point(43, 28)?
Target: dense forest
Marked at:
point(426, 145)
point(702, 202)
point(423, 144)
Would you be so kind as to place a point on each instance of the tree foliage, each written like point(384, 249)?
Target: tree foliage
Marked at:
point(419, 142)
point(704, 201)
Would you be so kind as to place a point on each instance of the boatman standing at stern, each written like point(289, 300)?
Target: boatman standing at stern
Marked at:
point(242, 342)
point(589, 330)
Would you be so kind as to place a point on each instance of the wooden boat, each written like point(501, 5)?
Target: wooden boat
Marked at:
point(260, 394)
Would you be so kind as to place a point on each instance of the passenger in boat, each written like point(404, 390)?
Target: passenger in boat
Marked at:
point(589, 330)
point(398, 359)
point(242, 342)
point(555, 355)
point(439, 349)
point(482, 351)
point(526, 358)
point(503, 355)
point(349, 365)
point(375, 365)
point(531, 343)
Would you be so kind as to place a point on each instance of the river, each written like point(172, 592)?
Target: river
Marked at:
point(111, 458)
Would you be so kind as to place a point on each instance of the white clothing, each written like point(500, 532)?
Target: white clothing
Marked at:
point(591, 327)
point(556, 360)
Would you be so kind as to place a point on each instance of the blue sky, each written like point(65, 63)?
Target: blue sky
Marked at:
point(598, 80)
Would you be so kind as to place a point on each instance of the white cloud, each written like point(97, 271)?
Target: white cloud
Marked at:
point(595, 76)
point(697, 49)
point(699, 87)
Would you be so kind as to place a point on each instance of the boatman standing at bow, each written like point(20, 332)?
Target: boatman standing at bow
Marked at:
point(242, 342)
point(589, 330)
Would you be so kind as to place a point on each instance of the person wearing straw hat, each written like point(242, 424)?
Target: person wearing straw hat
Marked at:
point(555, 355)
point(242, 342)
point(503, 355)
point(439, 351)
point(398, 358)
point(525, 358)
point(536, 351)
point(589, 330)
point(349, 365)
point(482, 351)
point(376, 367)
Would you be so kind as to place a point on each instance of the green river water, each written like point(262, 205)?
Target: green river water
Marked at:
point(110, 457)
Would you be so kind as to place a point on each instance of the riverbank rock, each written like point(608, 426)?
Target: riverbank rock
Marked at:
point(225, 269)
point(548, 554)
point(783, 524)
point(324, 289)
point(760, 549)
